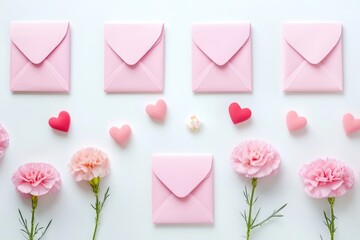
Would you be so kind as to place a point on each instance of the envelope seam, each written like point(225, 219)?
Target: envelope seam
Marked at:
point(241, 77)
point(56, 75)
point(199, 80)
point(18, 77)
point(209, 214)
point(331, 77)
point(151, 75)
point(159, 211)
point(294, 75)
point(114, 75)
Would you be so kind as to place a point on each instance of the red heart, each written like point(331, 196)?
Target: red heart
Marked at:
point(238, 114)
point(61, 123)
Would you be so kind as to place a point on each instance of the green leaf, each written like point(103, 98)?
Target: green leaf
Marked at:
point(106, 196)
point(273, 215)
point(47, 227)
point(256, 216)
point(23, 222)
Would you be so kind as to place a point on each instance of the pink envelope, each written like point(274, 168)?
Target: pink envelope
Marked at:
point(182, 189)
point(134, 57)
point(40, 57)
point(312, 55)
point(222, 60)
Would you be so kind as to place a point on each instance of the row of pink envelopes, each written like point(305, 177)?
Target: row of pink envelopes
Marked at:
point(134, 57)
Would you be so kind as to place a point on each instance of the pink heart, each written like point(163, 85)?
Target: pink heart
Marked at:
point(121, 135)
point(157, 111)
point(350, 123)
point(294, 122)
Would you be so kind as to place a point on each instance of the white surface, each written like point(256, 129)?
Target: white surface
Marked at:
point(127, 214)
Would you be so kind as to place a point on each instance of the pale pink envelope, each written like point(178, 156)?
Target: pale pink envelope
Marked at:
point(182, 189)
point(134, 57)
point(40, 57)
point(221, 57)
point(312, 55)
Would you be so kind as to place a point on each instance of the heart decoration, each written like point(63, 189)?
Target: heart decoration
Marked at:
point(294, 122)
point(238, 114)
point(60, 123)
point(158, 111)
point(121, 135)
point(350, 123)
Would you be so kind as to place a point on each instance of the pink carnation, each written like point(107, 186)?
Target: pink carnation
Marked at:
point(36, 179)
point(89, 163)
point(255, 159)
point(4, 141)
point(324, 178)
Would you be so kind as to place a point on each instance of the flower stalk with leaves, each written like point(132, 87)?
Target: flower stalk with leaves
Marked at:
point(31, 181)
point(327, 178)
point(255, 159)
point(91, 164)
point(34, 229)
point(252, 222)
point(98, 206)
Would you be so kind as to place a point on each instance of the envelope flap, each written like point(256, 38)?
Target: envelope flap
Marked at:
point(313, 41)
point(132, 41)
point(182, 174)
point(220, 42)
point(38, 40)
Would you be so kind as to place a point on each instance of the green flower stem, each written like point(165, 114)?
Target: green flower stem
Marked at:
point(251, 203)
point(34, 229)
point(97, 214)
point(251, 217)
point(34, 202)
point(95, 185)
point(332, 220)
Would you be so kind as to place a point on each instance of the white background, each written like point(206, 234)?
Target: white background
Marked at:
point(127, 214)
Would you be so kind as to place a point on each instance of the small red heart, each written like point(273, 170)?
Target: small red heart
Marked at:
point(238, 114)
point(61, 123)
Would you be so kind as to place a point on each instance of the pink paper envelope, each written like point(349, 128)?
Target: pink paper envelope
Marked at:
point(312, 55)
point(40, 57)
point(182, 189)
point(134, 57)
point(221, 58)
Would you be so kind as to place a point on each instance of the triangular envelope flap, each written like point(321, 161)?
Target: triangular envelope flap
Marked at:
point(220, 42)
point(314, 41)
point(132, 41)
point(182, 174)
point(37, 40)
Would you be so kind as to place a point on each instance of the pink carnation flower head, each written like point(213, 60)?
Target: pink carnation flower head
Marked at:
point(4, 141)
point(36, 179)
point(255, 159)
point(326, 178)
point(89, 163)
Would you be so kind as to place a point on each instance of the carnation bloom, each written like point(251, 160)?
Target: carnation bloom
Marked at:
point(36, 179)
point(255, 159)
point(4, 141)
point(89, 163)
point(326, 178)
